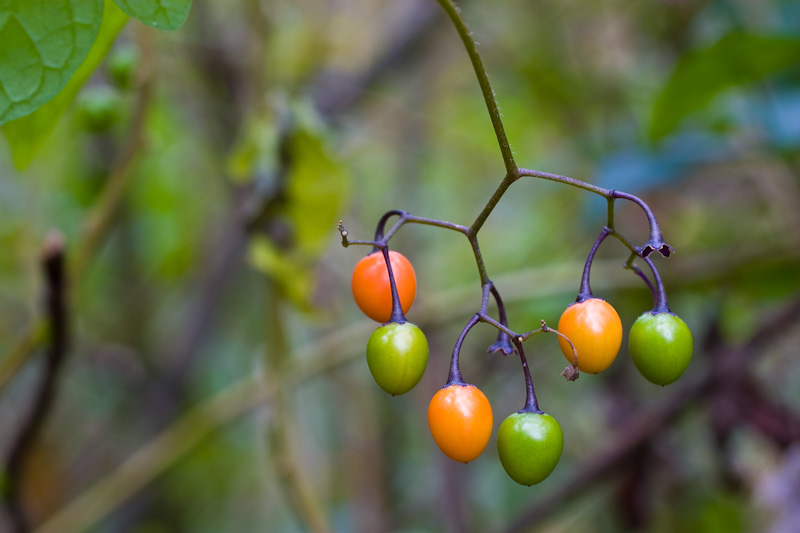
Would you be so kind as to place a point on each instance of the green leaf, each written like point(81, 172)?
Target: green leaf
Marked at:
point(44, 43)
point(26, 134)
point(737, 59)
point(161, 14)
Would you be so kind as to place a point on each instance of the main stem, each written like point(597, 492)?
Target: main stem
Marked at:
point(483, 80)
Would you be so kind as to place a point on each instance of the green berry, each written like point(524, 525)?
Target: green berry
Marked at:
point(660, 346)
point(529, 445)
point(397, 355)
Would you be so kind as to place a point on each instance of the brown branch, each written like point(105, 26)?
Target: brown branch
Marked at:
point(56, 308)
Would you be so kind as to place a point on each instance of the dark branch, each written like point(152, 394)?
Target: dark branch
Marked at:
point(55, 301)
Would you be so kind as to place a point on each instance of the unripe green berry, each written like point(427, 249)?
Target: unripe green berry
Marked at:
point(660, 346)
point(529, 445)
point(397, 355)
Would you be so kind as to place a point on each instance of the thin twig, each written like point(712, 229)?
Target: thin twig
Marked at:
point(56, 310)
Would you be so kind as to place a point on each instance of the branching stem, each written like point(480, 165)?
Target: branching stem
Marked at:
point(506, 337)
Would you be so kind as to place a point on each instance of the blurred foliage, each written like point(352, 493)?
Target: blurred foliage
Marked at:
point(266, 122)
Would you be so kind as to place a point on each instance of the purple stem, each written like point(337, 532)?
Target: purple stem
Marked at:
point(382, 225)
point(454, 377)
point(661, 304)
point(656, 242)
point(502, 342)
point(642, 275)
point(585, 291)
point(531, 404)
point(397, 309)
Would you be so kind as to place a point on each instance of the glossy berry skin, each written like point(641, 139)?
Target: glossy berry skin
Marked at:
point(660, 346)
point(371, 288)
point(397, 355)
point(593, 325)
point(529, 445)
point(460, 419)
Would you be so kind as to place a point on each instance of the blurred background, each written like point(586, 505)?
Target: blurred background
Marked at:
point(215, 377)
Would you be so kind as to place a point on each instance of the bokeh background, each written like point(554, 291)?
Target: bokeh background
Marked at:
point(216, 380)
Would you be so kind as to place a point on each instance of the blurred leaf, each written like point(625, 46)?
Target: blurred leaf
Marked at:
point(254, 152)
point(312, 202)
point(162, 14)
point(315, 192)
point(293, 52)
point(26, 134)
point(291, 275)
point(44, 43)
point(737, 59)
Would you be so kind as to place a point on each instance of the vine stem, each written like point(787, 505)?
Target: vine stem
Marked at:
point(656, 241)
point(483, 80)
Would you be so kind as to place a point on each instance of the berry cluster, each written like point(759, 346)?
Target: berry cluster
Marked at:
point(529, 442)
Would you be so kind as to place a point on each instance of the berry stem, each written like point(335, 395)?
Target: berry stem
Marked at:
point(585, 291)
point(656, 242)
point(631, 266)
point(397, 310)
point(661, 304)
point(503, 342)
point(454, 376)
point(531, 404)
